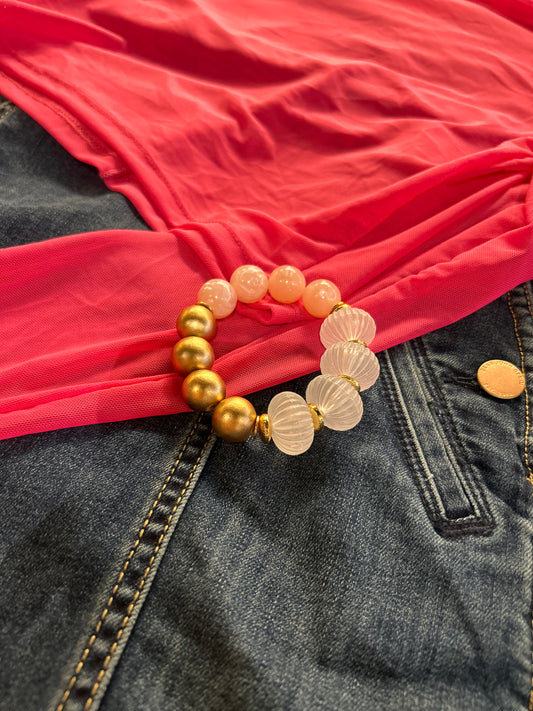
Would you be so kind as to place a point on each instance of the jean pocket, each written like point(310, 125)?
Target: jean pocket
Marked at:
point(452, 496)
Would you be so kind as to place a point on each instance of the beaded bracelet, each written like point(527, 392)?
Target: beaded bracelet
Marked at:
point(331, 399)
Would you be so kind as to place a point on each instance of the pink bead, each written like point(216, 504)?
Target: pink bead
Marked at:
point(220, 296)
point(286, 284)
point(320, 296)
point(250, 283)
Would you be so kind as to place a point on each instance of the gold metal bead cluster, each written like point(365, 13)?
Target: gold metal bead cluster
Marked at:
point(333, 400)
point(234, 418)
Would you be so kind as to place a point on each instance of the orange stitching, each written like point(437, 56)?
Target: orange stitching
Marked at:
point(124, 622)
point(92, 639)
point(6, 109)
point(522, 368)
point(528, 424)
point(529, 305)
point(530, 477)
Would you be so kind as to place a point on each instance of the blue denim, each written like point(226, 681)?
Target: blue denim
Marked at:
point(148, 565)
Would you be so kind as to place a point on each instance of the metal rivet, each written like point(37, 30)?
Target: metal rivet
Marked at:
point(501, 379)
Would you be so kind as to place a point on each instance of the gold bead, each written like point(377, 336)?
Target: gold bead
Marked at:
point(340, 305)
point(353, 382)
point(318, 417)
point(234, 419)
point(262, 428)
point(203, 390)
point(355, 340)
point(192, 353)
point(197, 320)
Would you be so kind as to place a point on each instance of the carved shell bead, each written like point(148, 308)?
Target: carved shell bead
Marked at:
point(346, 325)
point(291, 423)
point(338, 401)
point(351, 359)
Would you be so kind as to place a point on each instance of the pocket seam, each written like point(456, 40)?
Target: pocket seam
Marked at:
point(480, 522)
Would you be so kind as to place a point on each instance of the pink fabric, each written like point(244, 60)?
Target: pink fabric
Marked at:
point(386, 146)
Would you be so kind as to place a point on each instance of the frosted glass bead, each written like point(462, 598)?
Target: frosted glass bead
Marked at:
point(351, 359)
point(320, 296)
point(338, 401)
point(291, 423)
point(220, 296)
point(346, 325)
point(286, 284)
point(250, 283)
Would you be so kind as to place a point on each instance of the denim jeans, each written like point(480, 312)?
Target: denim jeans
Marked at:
point(148, 565)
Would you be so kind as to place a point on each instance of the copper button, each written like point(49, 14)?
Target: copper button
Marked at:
point(501, 379)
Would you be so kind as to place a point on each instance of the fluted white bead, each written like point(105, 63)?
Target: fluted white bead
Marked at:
point(291, 423)
point(345, 325)
point(338, 401)
point(351, 359)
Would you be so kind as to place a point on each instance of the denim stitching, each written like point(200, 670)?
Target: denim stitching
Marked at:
point(529, 305)
point(104, 614)
point(526, 435)
point(432, 506)
point(444, 416)
point(481, 521)
point(458, 457)
point(6, 109)
point(131, 606)
point(522, 368)
point(528, 422)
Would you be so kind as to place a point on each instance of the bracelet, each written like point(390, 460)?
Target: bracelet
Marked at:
point(332, 399)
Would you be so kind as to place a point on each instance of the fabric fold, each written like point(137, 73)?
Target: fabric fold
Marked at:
point(385, 149)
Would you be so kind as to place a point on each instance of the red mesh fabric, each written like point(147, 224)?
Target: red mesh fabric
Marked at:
point(386, 146)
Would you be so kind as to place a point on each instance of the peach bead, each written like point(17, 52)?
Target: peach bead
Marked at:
point(250, 283)
point(320, 296)
point(286, 284)
point(220, 296)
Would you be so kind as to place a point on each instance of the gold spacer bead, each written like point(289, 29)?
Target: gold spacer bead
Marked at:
point(352, 381)
point(354, 340)
point(262, 428)
point(234, 419)
point(203, 390)
point(318, 417)
point(197, 320)
point(192, 353)
point(340, 305)
point(202, 303)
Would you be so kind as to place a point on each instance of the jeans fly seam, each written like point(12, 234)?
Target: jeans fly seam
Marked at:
point(526, 393)
point(529, 305)
point(120, 578)
point(528, 421)
point(530, 476)
point(131, 607)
